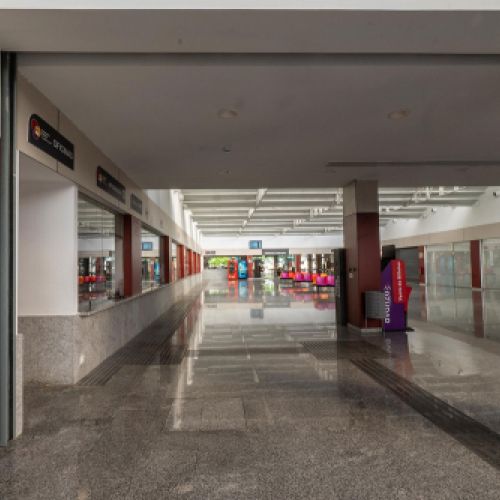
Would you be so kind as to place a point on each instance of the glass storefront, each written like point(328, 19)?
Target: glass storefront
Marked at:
point(448, 265)
point(100, 276)
point(151, 268)
point(491, 263)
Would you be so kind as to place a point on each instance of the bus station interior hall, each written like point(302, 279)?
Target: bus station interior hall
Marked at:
point(243, 266)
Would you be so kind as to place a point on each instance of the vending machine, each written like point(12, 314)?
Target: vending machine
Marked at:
point(242, 269)
point(232, 270)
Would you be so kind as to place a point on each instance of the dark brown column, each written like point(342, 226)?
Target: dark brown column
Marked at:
point(165, 245)
point(132, 266)
point(421, 265)
point(362, 243)
point(475, 263)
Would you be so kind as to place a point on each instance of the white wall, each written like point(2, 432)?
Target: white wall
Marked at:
point(485, 211)
point(306, 243)
point(168, 200)
point(48, 248)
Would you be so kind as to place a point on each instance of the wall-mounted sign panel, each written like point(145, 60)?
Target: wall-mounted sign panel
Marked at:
point(275, 251)
point(255, 244)
point(147, 246)
point(111, 185)
point(50, 141)
point(136, 203)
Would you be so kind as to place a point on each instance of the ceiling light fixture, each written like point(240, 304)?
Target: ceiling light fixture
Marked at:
point(399, 114)
point(226, 148)
point(227, 114)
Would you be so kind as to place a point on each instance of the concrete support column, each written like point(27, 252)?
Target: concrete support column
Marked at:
point(297, 263)
point(181, 256)
point(318, 262)
point(132, 265)
point(250, 266)
point(421, 265)
point(362, 243)
point(475, 263)
point(188, 262)
point(8, 236)
point(165, 258)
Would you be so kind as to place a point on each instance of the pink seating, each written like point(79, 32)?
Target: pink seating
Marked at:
point(325, 281)
point(321, 280)
point(284, 275)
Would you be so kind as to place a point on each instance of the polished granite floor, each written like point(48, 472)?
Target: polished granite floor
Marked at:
point(258, 396)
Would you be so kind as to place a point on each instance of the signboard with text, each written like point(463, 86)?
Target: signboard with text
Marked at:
point(50, 141)
point(255, 244)
point(395, 295)
point(135, 203)
point(111, 185)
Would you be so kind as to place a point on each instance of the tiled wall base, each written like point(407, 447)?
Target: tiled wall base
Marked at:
point(18, 427)
point(63, 349)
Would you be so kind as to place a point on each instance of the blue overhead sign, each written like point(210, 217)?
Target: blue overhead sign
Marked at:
point(255, 244)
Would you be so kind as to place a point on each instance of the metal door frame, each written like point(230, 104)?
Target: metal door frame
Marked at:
point(8, 235)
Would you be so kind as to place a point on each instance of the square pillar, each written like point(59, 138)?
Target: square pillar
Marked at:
point(421, 265)
point(165, 258)
point(297, 263)
point(362, 244)
point(475, 263)
point(132, 249)
point(181, 256)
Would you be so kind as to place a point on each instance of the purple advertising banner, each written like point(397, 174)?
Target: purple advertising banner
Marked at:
point(394, 313)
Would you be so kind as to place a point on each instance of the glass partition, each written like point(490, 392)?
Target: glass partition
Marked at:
point(462, 264)
point(439, 265)
point(98, 241)
point(491, 263)
point(449, 265)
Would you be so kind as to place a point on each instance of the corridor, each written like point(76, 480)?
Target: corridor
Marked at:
point(256, 395)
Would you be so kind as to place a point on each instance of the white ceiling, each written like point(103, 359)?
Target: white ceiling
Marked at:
point(317, 26)
point(307, 211)
point(157, 117)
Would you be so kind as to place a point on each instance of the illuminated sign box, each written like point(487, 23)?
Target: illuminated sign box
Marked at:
point(255, 244)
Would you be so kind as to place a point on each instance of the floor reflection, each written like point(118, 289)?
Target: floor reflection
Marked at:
point(257, 394)
point(476, 312)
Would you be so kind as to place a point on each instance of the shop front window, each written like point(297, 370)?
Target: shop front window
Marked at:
point(491, 263)
point(150, 254)
point(449, 265)
point(99, 240)
point(439, 266)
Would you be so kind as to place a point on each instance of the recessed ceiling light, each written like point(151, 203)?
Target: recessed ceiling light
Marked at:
point(399, 114)
point(227, 114)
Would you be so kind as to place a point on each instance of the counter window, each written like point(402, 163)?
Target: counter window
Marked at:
point(151, 270)
point(99, 239)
